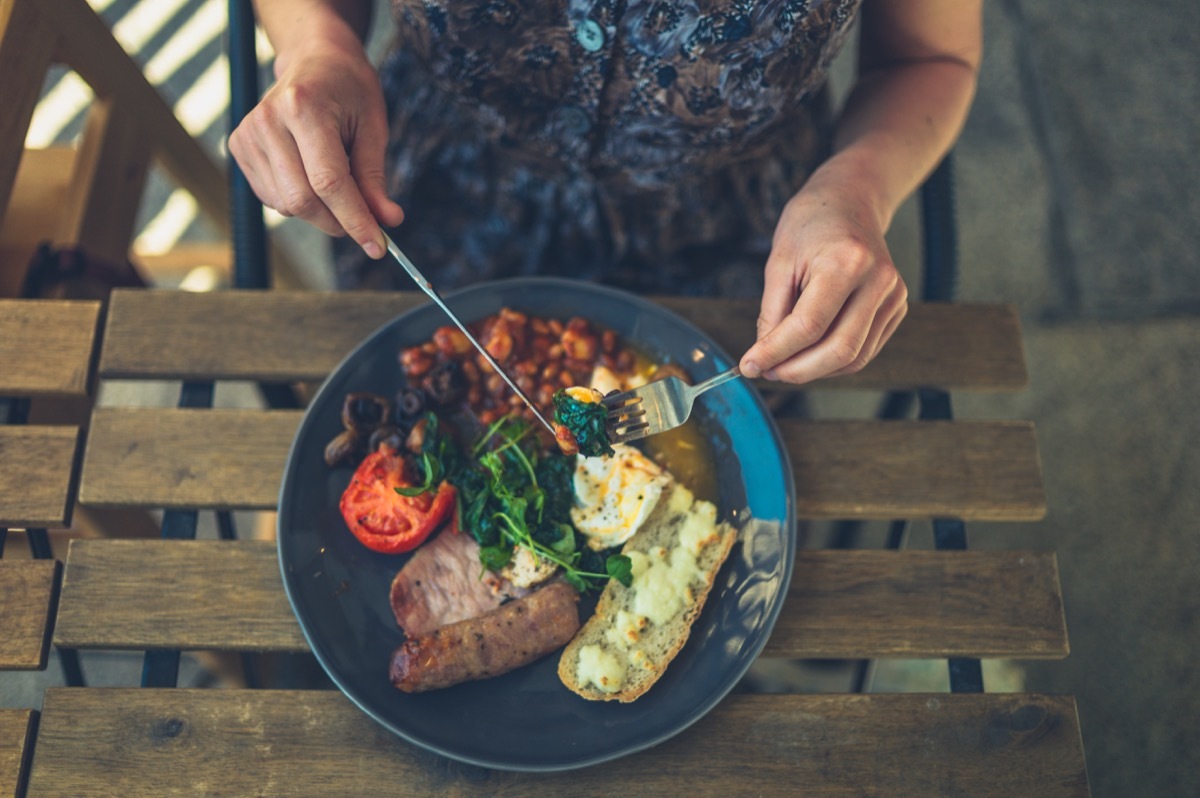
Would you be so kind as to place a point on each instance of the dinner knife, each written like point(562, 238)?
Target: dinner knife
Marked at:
point(427, 287)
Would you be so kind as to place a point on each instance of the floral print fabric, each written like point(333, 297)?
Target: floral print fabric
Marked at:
point(648, 144)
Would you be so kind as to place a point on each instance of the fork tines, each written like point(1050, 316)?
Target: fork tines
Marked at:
point(626, 418)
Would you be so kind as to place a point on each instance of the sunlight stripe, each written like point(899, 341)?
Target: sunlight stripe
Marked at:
point(56, 109)
point(206, 24)
point(262, 46)
point(168, 226)
point(70, 95)
point(100, 5)
point(207, 99)
point(143, 22)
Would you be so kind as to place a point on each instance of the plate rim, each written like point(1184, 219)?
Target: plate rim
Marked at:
point(788, 551)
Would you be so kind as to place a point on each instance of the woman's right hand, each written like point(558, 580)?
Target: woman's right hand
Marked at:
point(314, 146)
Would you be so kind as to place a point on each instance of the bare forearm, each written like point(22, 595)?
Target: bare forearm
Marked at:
point(908, 106)
point(295, 25)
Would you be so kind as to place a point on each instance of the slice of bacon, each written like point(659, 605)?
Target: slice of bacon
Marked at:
point(444, 582)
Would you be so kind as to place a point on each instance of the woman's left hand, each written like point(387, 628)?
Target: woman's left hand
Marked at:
point(832, 295)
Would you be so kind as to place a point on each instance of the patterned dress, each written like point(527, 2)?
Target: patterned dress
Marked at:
point(647, 144)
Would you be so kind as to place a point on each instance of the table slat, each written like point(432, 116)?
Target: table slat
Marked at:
point(260, 335)
point(956, 346)
point(28, 590)
point(228, 595)
point(172, 458)
point(16, 728)
point(46, 346)
point(225, 595)
point(974, 470)
point(37, 465)
point(316, 743)
point(233, 458)
point(301, 336)
point(922, 604)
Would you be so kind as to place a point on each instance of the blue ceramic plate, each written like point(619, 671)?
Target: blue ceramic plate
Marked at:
point(526, 720)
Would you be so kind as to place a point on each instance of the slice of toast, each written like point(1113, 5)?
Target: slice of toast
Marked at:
point(636, 631)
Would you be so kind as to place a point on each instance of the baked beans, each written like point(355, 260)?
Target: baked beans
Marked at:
point(541, 355)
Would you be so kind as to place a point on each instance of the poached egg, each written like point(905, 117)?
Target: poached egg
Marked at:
point(615, 495)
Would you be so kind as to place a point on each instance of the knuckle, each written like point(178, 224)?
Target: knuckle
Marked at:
point(293, 100)
point(847, 355)
point(298, 202)
point(807, 328)
point(856, 255)
point(327, 181)
point(263, 116)
point(235, 143)
point(858, 363)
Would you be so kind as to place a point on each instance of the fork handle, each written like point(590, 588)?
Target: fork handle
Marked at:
point(714, 381)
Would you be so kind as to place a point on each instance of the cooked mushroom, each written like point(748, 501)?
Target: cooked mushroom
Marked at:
point(410, 403)
point(446, 383)
point(346, 447)
point(385, 434)
point(363, 411)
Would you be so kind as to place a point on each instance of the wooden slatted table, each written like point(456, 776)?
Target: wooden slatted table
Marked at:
point(227, 595)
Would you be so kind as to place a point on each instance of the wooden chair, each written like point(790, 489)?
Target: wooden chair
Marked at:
point(88, 196)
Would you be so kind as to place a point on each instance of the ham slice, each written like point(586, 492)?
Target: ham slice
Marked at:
point(443, 583)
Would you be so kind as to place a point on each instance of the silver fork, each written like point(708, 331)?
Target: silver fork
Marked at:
point(656, 406)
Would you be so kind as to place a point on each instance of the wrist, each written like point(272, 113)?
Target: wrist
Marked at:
point(853, 180)
point(316, 31)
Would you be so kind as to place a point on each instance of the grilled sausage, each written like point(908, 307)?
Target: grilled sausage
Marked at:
point(512, 635)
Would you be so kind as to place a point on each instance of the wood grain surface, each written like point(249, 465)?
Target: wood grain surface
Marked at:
point(959, 346)
point(16, 726)
point(870, 604)
point(273, 336)
point(225, 595)
point(46, 346)
point(172, 458)
point(37, 466)
point(301, 336)
point(923, 604)
point(974, 470)
point(221, 459)
point(28, 589)
point(146, 742)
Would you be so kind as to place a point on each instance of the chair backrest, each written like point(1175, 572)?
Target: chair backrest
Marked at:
point(85, 196)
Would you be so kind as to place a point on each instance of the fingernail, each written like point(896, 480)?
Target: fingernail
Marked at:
point(751, 370)
point(373, 249)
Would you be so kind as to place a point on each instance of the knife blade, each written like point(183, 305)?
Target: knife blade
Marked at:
point(427, 287)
